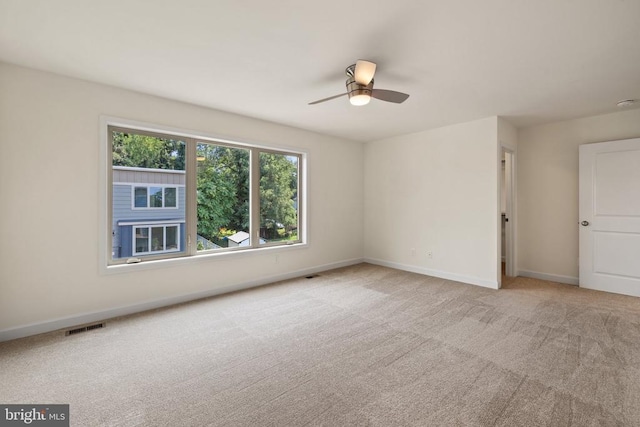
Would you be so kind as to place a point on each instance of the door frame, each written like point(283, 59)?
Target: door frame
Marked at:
point(510, 210)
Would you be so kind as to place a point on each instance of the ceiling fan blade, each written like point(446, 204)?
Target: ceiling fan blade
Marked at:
point(389, 95)
point(327, 99)
point(364, 72)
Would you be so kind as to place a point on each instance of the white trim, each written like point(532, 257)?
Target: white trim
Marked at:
point(212, 255)
point(492, 284)
point(254, 198)
point(83, 318)
point(196, 134)
point(141, 184)
point(569, 280)
point(149, 227)
point(148, 187)
point(512, 236)
point(106, 262)
point(152, 170)
point(105, 189)
point(303, 216)
point(510, 189)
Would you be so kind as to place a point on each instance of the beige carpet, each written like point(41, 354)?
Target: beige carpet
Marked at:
point(363, 345)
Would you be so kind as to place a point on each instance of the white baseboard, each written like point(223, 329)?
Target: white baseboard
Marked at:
point(493, 284)
point(569, 280)
point(84, 318)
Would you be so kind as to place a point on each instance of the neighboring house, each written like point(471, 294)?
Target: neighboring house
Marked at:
point(148, 211)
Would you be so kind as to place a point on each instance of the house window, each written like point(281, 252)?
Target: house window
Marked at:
point(175, 196)
point(169, 198)
point(154, 197)
point(140, 197)
point(156, 239)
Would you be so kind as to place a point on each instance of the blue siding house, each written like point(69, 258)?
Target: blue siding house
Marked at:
point(148, 211)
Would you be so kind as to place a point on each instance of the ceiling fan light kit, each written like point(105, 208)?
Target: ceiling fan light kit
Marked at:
point(359, 100)
point(358, 91)
point(362, 71)
point(360, 86)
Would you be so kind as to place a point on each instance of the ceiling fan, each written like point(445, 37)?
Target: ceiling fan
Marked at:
point(360, 86)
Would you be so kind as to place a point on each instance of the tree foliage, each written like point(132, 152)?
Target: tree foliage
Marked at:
point(143, 151)
point(278, 187)
point(223, 190)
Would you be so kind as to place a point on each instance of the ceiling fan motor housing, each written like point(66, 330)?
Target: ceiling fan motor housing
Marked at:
point(353, 88)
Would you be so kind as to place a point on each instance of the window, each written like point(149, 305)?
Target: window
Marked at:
point(141, 197)
point(170, 200)
point(154, 197)
point(156, 239)
point(176, 196)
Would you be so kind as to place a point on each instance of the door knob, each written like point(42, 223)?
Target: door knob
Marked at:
point(584, 223)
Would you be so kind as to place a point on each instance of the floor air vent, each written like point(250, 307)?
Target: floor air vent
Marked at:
point(312, 276)
point(85, 328)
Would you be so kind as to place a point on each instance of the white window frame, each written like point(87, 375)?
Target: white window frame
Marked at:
point(148, 187)
point(164, 238)
point(189, 253)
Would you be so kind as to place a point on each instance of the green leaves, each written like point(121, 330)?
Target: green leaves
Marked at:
point(278, 187)
point(143, 151)
point(216, 197)
point(223, 190)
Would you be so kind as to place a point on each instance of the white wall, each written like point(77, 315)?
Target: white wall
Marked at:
point(49, 264)
point(436, 191)
point(430, 191)
point(507, 135)
point(547, 190)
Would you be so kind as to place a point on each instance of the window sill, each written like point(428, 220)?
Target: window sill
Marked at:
point(207, 257)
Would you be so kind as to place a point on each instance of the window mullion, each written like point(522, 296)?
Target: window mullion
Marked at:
point(301, 198)
point(164, 238)
point(254, 205)
point(191, 212)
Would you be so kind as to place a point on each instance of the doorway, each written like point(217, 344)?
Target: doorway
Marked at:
point(507, 210)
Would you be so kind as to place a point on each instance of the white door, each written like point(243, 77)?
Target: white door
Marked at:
point(610, 216)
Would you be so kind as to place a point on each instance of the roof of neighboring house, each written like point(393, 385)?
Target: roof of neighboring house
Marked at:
point(240, 236)
point(129, 175)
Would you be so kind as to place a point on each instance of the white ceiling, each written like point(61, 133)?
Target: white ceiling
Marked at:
point(531, 61)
